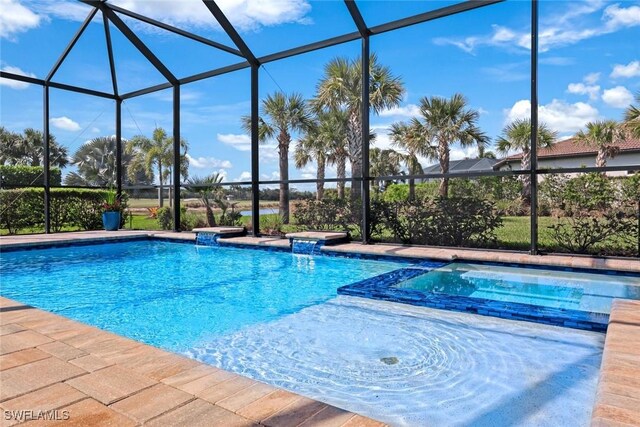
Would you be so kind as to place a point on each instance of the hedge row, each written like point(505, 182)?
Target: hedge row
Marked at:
point(13, 176)
point(23, 208)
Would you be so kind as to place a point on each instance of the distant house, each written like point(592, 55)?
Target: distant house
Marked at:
point(569, 154)
point(465, 165)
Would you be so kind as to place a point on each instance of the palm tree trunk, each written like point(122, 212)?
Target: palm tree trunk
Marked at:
point(341, 165)
point(525, 164)
point(320, 177)
point(355, 142)
point(160, 188)
point(284, 176)
point(412, 189)
point(443, 157)
point(601, 158)
point(211, 218)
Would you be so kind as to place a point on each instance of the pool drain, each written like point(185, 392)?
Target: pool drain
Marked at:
point(389, 360)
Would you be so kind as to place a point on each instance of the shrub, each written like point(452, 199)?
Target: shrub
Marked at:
point(188, 220)
point(580, 233)
point(271, 225)
point(328, 214)
point(15, 176)
point(23, 208)
point(452, 221)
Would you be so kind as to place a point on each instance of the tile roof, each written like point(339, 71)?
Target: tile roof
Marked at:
point(571, 148)
point(464, 165)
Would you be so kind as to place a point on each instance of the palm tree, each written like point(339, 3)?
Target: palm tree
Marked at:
point(28, 149)
point(384, 163)
point(340, 89)
point(632, 118)
point(517, 136)
point(313, 147)
point(280, 116)
point(208, 189)
point(96, 164)
point(604, 135)
point(155, 154)
point(408, 138)
point(443, 122)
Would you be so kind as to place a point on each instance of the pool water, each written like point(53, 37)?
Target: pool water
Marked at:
point(588, 292)
point(416, 366)
point(173, 294)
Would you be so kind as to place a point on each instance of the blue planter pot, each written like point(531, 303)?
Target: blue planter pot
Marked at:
point(111, 220)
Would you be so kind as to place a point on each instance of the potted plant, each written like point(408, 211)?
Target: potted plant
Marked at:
point(111, 211)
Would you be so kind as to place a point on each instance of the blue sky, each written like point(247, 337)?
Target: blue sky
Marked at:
point(589, 67)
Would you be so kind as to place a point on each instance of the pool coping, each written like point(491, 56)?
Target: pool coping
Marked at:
point(54, 365)
point(617, 401)
point(380, 251)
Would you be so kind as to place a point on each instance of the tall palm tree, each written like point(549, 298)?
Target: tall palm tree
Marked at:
point(155, 154)
point(517, 136)
point(340, 89)
point(632, 118)
point(443, 122)
point(280, 116)
point(28, 149)
point(208, 189)
point(384, 163)
point(312, 147)
point(605, 135)
point(408, 138)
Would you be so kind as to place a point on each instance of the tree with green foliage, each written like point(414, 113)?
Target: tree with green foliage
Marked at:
point(517, 136)
point(384, 163)
point(280, 116)
point(341, 89)
point(442, 123)
point(27, 149)
point(407, 137)
point(155, 155)
point(208, 189)
point(632, 118)
point(605, 136)
point(95, 161)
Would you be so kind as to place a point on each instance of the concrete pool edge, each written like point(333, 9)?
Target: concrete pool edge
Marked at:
point(51, 363)
point(380, 250)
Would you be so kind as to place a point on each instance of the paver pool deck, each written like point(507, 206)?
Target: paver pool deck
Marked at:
point(48, 362)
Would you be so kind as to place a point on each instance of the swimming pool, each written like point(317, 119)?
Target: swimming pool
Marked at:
point(172, 294)
point(276, 317)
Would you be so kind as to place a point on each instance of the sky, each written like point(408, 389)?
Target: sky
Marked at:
point(589, 68)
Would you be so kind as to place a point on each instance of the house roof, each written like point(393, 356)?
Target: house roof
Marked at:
point(464, 165)
point(571, 148)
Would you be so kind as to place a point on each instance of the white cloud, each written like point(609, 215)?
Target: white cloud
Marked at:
point(246, 15)
point(244, 177)
point(582, 89)
point(95, 130)
point(409, 110)
point(63, 9)
point(591, 78)
point(65, 123)
point(15, 84)
point(632, 69)
point(238, 141)
point(617, 16)
point(208, 162)
point(558, 115)
point(568, 28)
point(464, 153)
point(618, 97)
point(16, 18)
